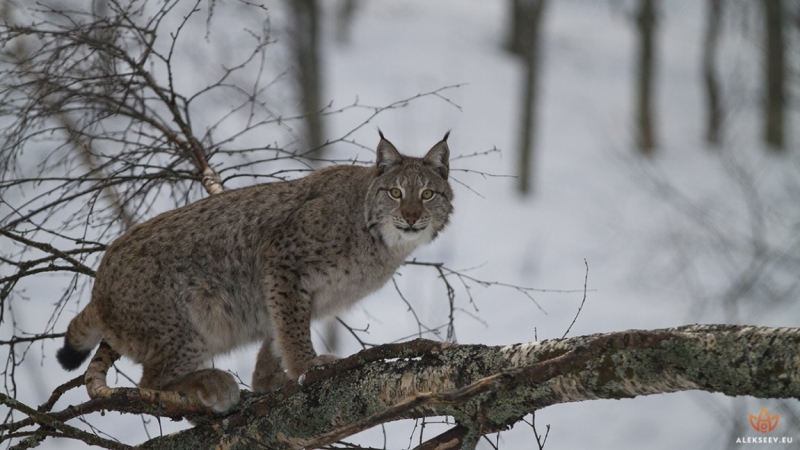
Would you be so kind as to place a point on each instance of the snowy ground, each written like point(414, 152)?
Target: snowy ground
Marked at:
point(592, 199)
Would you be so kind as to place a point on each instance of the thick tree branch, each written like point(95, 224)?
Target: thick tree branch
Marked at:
point(487, 389)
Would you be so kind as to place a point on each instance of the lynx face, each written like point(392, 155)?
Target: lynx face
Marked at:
point(410, 201)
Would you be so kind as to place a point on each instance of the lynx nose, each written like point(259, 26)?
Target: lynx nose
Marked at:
point(411, 217)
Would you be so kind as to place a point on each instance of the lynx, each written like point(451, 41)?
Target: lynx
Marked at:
point(257, 264)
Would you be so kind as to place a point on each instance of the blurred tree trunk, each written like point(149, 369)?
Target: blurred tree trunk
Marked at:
point(305, 46)
point(774, 75)
point(331, 336)
point(646, 25)
point(306, 53)
point(531, 13)
point(515, 40)
point(345, 13)
point(710, 76)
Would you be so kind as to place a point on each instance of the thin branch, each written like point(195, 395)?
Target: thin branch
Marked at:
point(78, 266)
point(38, 337)
point(59, 391)
point(580, 308)
point(63, 429)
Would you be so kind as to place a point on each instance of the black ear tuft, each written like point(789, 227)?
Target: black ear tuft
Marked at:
point(438, 157)
point(386, 155)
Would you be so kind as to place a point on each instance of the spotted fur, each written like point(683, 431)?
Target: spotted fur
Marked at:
point(257, 265)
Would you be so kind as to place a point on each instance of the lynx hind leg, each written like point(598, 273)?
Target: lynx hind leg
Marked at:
point(216, 389)
point(269, 373)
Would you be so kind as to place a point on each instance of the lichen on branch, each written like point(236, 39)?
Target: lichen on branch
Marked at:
point(487, 389)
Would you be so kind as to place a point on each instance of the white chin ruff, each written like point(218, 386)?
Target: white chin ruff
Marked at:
point(400, 238)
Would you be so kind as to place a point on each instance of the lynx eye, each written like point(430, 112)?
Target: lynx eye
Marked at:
point(395, 193)
point(427, 194)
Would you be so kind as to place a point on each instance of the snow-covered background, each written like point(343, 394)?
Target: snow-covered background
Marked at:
point(665, 238)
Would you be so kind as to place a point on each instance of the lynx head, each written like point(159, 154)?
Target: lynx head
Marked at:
point(409, 200)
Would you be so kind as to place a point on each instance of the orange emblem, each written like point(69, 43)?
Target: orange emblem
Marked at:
point(764, 422)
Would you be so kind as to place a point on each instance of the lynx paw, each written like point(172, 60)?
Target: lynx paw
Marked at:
point(216, 389)
point(321, 360)
point(266, 383)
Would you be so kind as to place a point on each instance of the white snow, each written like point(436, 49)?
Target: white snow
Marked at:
point(649, 265)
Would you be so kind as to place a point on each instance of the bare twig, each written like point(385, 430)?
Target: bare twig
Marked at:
point(580, 308)
point(540, 441)
point(58, 428)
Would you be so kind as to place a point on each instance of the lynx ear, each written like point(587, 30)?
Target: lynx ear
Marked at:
point(386, 155)
point(438, 157)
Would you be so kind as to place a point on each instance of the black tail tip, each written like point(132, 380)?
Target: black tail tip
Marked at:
point(71, 359)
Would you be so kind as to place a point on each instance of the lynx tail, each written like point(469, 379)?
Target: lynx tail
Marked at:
point(81, 338)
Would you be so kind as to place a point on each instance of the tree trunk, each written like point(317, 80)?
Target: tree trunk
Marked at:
point(710, 77)
point(516, 37)
point(305, 43)
point(774, 75)
point(646, 23)
point(531, 12)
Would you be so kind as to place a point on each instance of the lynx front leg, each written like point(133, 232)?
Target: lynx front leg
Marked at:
point(290, 312)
